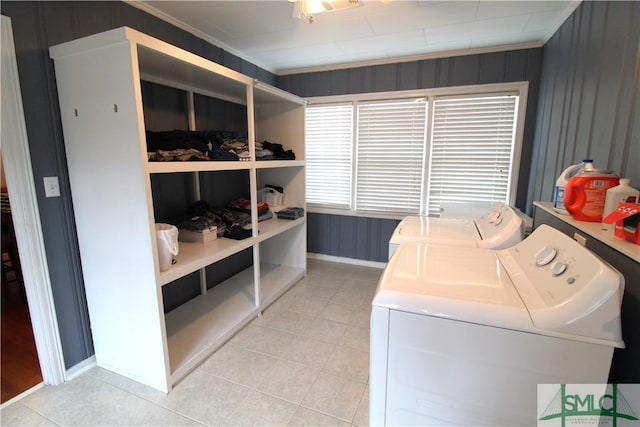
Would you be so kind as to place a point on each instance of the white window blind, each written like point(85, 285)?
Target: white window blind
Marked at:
point(329, 142)
point(471, 150)
point(390, 156)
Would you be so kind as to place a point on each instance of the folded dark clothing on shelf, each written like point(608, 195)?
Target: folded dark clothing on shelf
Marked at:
point(200, 216)
point(237, 233)
point(222, 228)
point(203, 208)
point(179, 154)
point(196, 223)
point(177, 139)
point(213, 145)
point(279, 153)
point(236, 218)
point(290, 213)
point(219, 154)
point(218, 137)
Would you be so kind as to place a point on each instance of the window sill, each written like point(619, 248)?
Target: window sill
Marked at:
point(363, 214)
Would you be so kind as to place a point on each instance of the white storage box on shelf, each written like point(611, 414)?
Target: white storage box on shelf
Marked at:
point(205, 236)
point(99, 80)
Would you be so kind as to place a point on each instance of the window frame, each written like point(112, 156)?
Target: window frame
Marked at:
point(519, 88)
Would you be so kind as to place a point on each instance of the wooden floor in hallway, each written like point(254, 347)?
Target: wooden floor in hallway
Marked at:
point(20, 369)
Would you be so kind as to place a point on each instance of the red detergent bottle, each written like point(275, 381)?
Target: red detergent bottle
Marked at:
point(586, 193)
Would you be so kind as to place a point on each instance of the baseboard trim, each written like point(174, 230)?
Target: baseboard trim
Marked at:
point(82, 367)
point(343, 260)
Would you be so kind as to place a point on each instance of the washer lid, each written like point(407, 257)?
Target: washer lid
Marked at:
point(459, 232)
point(467, 284)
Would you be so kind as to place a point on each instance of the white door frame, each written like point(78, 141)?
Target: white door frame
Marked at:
point(26, 217)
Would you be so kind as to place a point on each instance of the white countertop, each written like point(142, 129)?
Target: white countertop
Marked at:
point(596, 230)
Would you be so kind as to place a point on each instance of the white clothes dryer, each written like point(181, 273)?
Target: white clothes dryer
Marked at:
point(462, 336)
point(499, 228)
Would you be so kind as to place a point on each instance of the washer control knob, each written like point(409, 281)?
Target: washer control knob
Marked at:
point(493, 216)
point(545, 256)
point(498, 220)
point(558, 268)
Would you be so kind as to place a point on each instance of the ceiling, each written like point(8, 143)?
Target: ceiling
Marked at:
point(382, 31)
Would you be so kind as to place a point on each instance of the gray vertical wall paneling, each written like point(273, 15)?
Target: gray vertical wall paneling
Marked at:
point(568, 84)
point(592, 21)
point(427, 74)
point(598, 89)
point(545, 114)
point(362, 250)
point(96, 17)
point(36, 26)
point(576, 88)
point(339, 80)
point(354, 81)
point(215, 114)
point(165, 108)
point(627, 90)
point(464, 70)
point(63, 256)
point(350, 236)
point(386, 78)
point(347, 237)
point(491, 65)
point(632, 137)
point(610, 77)
point(559, 102)
point(531, 65)
point(408, 75)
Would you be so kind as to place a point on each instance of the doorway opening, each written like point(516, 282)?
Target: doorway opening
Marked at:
point(19, 365)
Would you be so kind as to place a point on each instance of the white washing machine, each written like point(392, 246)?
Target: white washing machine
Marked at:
point(462, 336)
point(499, 228)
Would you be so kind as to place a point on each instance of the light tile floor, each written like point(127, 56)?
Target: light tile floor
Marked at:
point(304, 362)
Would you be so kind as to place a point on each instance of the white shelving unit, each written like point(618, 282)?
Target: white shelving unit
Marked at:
point(99, 85)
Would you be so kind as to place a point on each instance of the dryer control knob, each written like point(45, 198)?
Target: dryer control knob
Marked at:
point(498, 221)
point(558, 268)
point(545, 256)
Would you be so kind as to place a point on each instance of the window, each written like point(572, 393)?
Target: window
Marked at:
point(391, 155)
point(471, 150)
point(329, 140)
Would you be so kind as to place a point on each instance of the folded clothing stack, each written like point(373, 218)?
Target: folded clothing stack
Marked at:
point(244, 205)
point(266, 150)
point(230, 223)
point(177, 145)
point(185, 145)
point(188, 145)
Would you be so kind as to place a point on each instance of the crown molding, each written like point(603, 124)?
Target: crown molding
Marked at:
point(412, 58)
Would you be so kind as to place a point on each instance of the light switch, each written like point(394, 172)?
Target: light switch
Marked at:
point(51, 186)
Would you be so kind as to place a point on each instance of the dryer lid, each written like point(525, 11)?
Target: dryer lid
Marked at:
point(466, 284)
